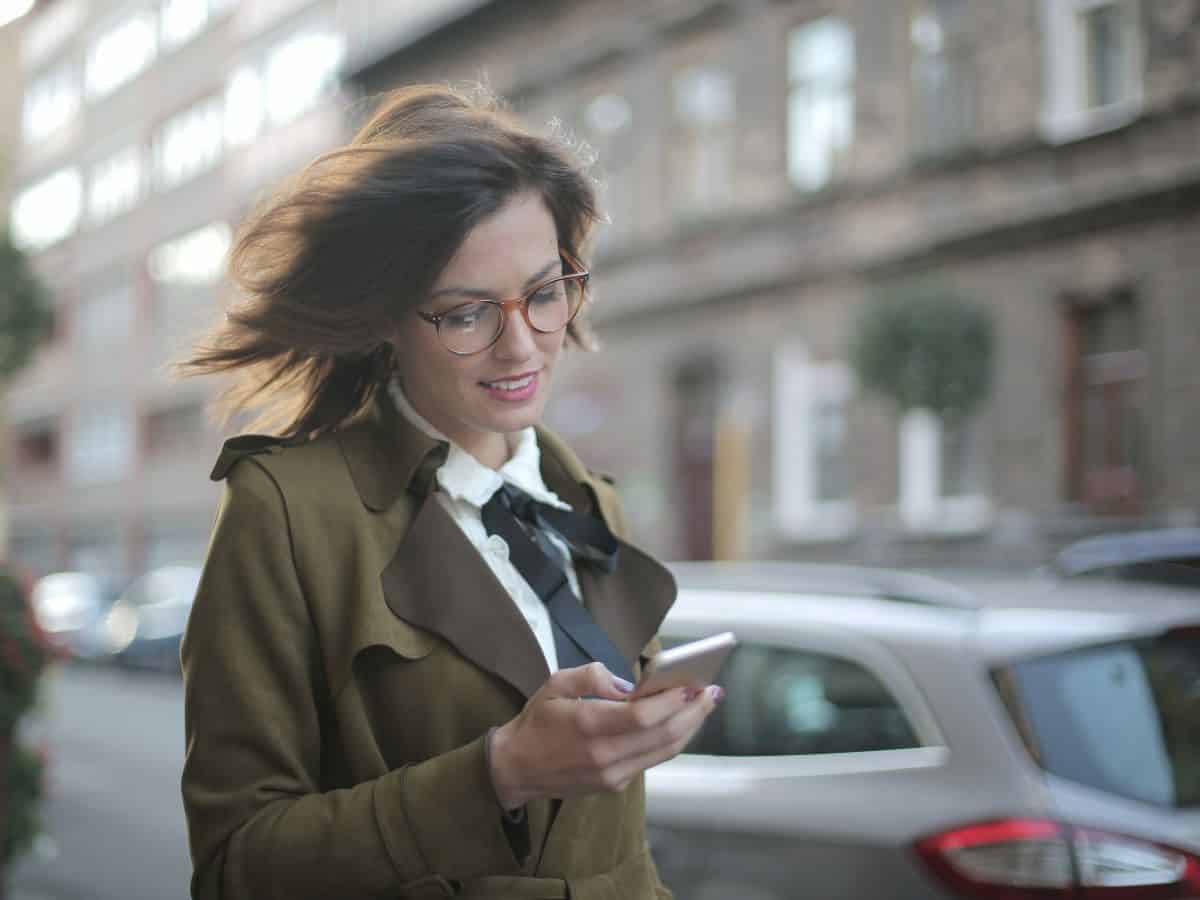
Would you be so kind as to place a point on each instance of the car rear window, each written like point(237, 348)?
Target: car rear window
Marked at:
point(1123, 717)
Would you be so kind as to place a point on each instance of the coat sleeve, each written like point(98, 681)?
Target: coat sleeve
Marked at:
point(259, 825)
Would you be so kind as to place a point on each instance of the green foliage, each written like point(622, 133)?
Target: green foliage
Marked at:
point(25, 316)
point(25, 771)
point(24, 654)
point(926, 347)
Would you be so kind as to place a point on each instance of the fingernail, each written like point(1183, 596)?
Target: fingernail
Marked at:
point(622, 685)
point(716, 692)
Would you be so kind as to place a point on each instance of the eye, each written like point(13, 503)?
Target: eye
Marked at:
point(466, 317)
point(549, 293)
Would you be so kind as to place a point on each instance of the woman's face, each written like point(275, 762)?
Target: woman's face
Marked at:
point(476, 400)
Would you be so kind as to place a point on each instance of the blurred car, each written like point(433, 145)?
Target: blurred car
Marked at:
point(144, 626)
point(1162, 555)
point(70, 608)
point(896, 737)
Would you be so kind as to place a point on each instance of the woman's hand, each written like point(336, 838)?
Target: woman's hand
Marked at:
point(561, 745)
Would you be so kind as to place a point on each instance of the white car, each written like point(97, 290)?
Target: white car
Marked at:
point(892, 737)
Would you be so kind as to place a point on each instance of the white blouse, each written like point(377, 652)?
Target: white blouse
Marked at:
point(465, 485)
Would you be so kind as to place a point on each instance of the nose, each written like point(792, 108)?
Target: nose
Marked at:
point(518, 341)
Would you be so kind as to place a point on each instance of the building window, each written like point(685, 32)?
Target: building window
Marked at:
point(48, 211)
point(195, 258)
point(189, 143)
point(50, 103)
point(702, 146)
point(820, 116)
point(245, 107)
point(942, 483)
point(608, 125)
point(106, 316)
point(812, 472)
point(1094, 58)
point(103, 446)
point(121, 53)
point(943, 75)
point(175, 430)
point(37, 448)
point(299, 71)
point(116, 184)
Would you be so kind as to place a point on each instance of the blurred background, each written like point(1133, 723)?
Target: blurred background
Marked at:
point(906, 284)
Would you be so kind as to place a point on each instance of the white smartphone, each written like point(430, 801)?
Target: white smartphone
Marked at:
point(694, 664)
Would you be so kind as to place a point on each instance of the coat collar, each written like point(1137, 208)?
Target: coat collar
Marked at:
point(464, 603)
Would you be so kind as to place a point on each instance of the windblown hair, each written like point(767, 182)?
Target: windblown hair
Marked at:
point(328, 269)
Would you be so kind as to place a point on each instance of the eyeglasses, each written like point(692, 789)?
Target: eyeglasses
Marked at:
point(475, 326)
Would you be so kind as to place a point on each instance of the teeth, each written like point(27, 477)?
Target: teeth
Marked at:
point(511, 385)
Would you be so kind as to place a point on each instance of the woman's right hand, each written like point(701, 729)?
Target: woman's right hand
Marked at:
point(561, 745)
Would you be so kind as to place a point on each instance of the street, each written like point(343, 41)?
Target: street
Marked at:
point(114, 819)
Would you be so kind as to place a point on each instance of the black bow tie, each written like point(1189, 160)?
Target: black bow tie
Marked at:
point(524, 524)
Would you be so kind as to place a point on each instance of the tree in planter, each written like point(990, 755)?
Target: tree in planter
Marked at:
point(929, 351)
point(25, 320)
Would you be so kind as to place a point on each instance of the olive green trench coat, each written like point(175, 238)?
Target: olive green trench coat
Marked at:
point(346, 654)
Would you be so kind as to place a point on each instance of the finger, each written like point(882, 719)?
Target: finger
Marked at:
point(592, 680)
point(636, 752)
point(611, 719)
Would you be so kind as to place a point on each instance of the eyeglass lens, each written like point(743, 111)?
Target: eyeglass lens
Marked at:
point(474, 326)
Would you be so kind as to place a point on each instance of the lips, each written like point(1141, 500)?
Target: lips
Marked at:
point(513, 383)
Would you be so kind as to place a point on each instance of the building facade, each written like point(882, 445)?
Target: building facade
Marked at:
point(769, 166)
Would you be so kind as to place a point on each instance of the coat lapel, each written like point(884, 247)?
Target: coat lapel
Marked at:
point(438, 581)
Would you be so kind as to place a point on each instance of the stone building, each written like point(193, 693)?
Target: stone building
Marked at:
point(770, 167)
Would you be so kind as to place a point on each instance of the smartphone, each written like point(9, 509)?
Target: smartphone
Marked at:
point(694, 664)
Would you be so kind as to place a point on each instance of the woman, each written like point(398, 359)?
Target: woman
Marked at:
point(388, 693)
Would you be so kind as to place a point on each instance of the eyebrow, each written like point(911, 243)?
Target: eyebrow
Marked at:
point(532, 281)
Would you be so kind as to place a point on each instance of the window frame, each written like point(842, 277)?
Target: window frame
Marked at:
point(797, 510)
point(838, 156)
point(923, 507)
point(818, 638)
point(1065, 114)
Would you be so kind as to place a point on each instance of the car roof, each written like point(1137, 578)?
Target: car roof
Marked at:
point(1002, 617)
point(1108, 551)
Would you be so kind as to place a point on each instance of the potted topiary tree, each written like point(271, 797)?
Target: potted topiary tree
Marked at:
point(930, 352)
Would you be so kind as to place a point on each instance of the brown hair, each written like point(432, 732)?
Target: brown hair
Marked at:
point(328, 267)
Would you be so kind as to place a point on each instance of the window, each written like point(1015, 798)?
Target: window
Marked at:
point(50, 103)
point(103, 445)
point(820, 115)
point(189, 143)
point(1066, 704)
point(37, 447)
point(942, 488)
point(116, 184)
point(245, 106)
point(784, 702)
point(943, 75)
point(703, 142)
point(48, 211)
point(608, 125)
point(195, 258)
point(175, 429)
point(121, 53)
point(299, 71)
point(813, 479)
point(1093, 64)
point(105, 316)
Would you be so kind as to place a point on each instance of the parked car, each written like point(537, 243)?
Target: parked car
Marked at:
point(146, 623)
point(70, 608)
point(896, 737)
point(1162, 555)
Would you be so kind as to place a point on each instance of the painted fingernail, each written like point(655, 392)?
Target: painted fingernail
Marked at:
point(716, 692)
point(622, 685)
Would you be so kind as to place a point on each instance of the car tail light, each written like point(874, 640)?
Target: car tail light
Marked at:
point(1023, 859)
